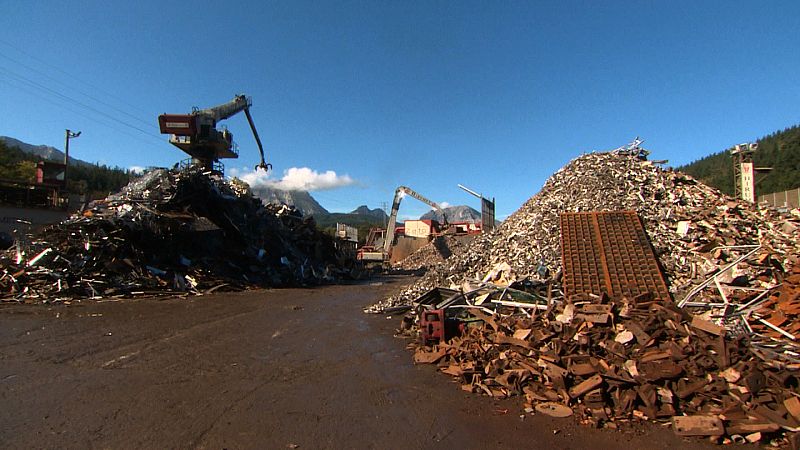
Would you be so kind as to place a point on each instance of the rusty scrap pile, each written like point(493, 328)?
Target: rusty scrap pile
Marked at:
point(168, 232)
point(686, 221)
point(782, 308)
point(439, 249)
point(704, 362)
point(771, 317)
point(609, 362)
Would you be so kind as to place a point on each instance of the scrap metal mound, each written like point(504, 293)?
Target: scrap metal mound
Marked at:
point(436, 252)
point(169, 232)
point(498, 323)
point(611, 363)
point(528, 241)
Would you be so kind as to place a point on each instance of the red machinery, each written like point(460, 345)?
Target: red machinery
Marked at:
point(197, 135)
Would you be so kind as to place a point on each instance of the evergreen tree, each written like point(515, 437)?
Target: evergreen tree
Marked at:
point(95, 180)
point(779, 150)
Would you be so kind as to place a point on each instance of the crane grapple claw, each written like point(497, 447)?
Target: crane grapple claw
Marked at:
point(267, 167)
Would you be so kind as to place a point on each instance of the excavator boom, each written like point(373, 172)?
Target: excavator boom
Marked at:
point(399, 193)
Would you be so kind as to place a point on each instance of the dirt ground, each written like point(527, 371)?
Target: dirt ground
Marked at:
point(299, 368)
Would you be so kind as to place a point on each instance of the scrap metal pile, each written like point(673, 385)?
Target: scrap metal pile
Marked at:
point(611, 362)
point(168, 232)
point(687, 223)
point(721, 362)
point(436, 252)
point(782, 308)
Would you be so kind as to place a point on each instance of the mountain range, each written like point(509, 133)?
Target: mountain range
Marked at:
point(310, 207)
point(453, 214)
point(299, 199)
point(42, 151)
point(377, 213)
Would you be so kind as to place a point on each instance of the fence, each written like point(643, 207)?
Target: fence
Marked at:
point(789, 199)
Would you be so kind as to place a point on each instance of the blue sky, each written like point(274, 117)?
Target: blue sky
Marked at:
point(493, 95)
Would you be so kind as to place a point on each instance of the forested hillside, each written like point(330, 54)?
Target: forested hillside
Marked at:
point(96, 180)
point(780, 150)
point(363, 223)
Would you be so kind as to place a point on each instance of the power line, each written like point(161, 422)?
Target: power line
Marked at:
point(385, 207)
point(327, 198)
point(66, 107)
point(56, 68)
point(70, 99)
point(139, 119)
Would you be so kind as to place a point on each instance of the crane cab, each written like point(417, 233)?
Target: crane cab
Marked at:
point(197, 136)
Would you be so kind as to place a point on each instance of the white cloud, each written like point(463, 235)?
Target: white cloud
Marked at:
point(136, 169)
point(294, 179)
point(444, 205)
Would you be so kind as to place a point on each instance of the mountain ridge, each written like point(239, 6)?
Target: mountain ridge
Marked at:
point(459, 213)
point(301, 200)
point(42, 151)
point(376, 213)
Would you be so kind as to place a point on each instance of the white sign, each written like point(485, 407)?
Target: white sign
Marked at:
point(748, 183)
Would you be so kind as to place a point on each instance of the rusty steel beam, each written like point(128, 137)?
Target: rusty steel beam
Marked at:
point(609, 252)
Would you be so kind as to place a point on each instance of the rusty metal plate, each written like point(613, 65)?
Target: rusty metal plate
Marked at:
point(609, 252)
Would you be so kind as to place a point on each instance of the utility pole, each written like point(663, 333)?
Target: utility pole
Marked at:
point(384, 207)
point(69, 135)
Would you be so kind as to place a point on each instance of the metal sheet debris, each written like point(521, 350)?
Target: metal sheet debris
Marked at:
point(608, 252)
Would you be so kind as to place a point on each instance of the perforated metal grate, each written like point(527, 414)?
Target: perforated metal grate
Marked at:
point(609, 252)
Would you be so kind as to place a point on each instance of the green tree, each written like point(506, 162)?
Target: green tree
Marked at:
point(24, 171)
point(96, 180)
point(779, 150)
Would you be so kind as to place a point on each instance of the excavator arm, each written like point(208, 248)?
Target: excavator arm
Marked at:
point(262, 165)
point(399, 193)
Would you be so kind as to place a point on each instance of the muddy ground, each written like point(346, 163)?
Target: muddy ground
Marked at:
point(298, 368)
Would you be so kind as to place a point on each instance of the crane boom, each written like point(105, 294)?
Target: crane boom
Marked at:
point(197, 135)
point(226, 110)
point(398, 197)
point(262, 164)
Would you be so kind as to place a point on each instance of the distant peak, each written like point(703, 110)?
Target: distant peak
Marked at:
point(460, 213)
point(364, 210)
point(301, 200)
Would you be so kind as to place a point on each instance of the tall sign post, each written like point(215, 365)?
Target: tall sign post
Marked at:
point(487, 209)
point(748, 182)
point(70, 135)
point(744, 171)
